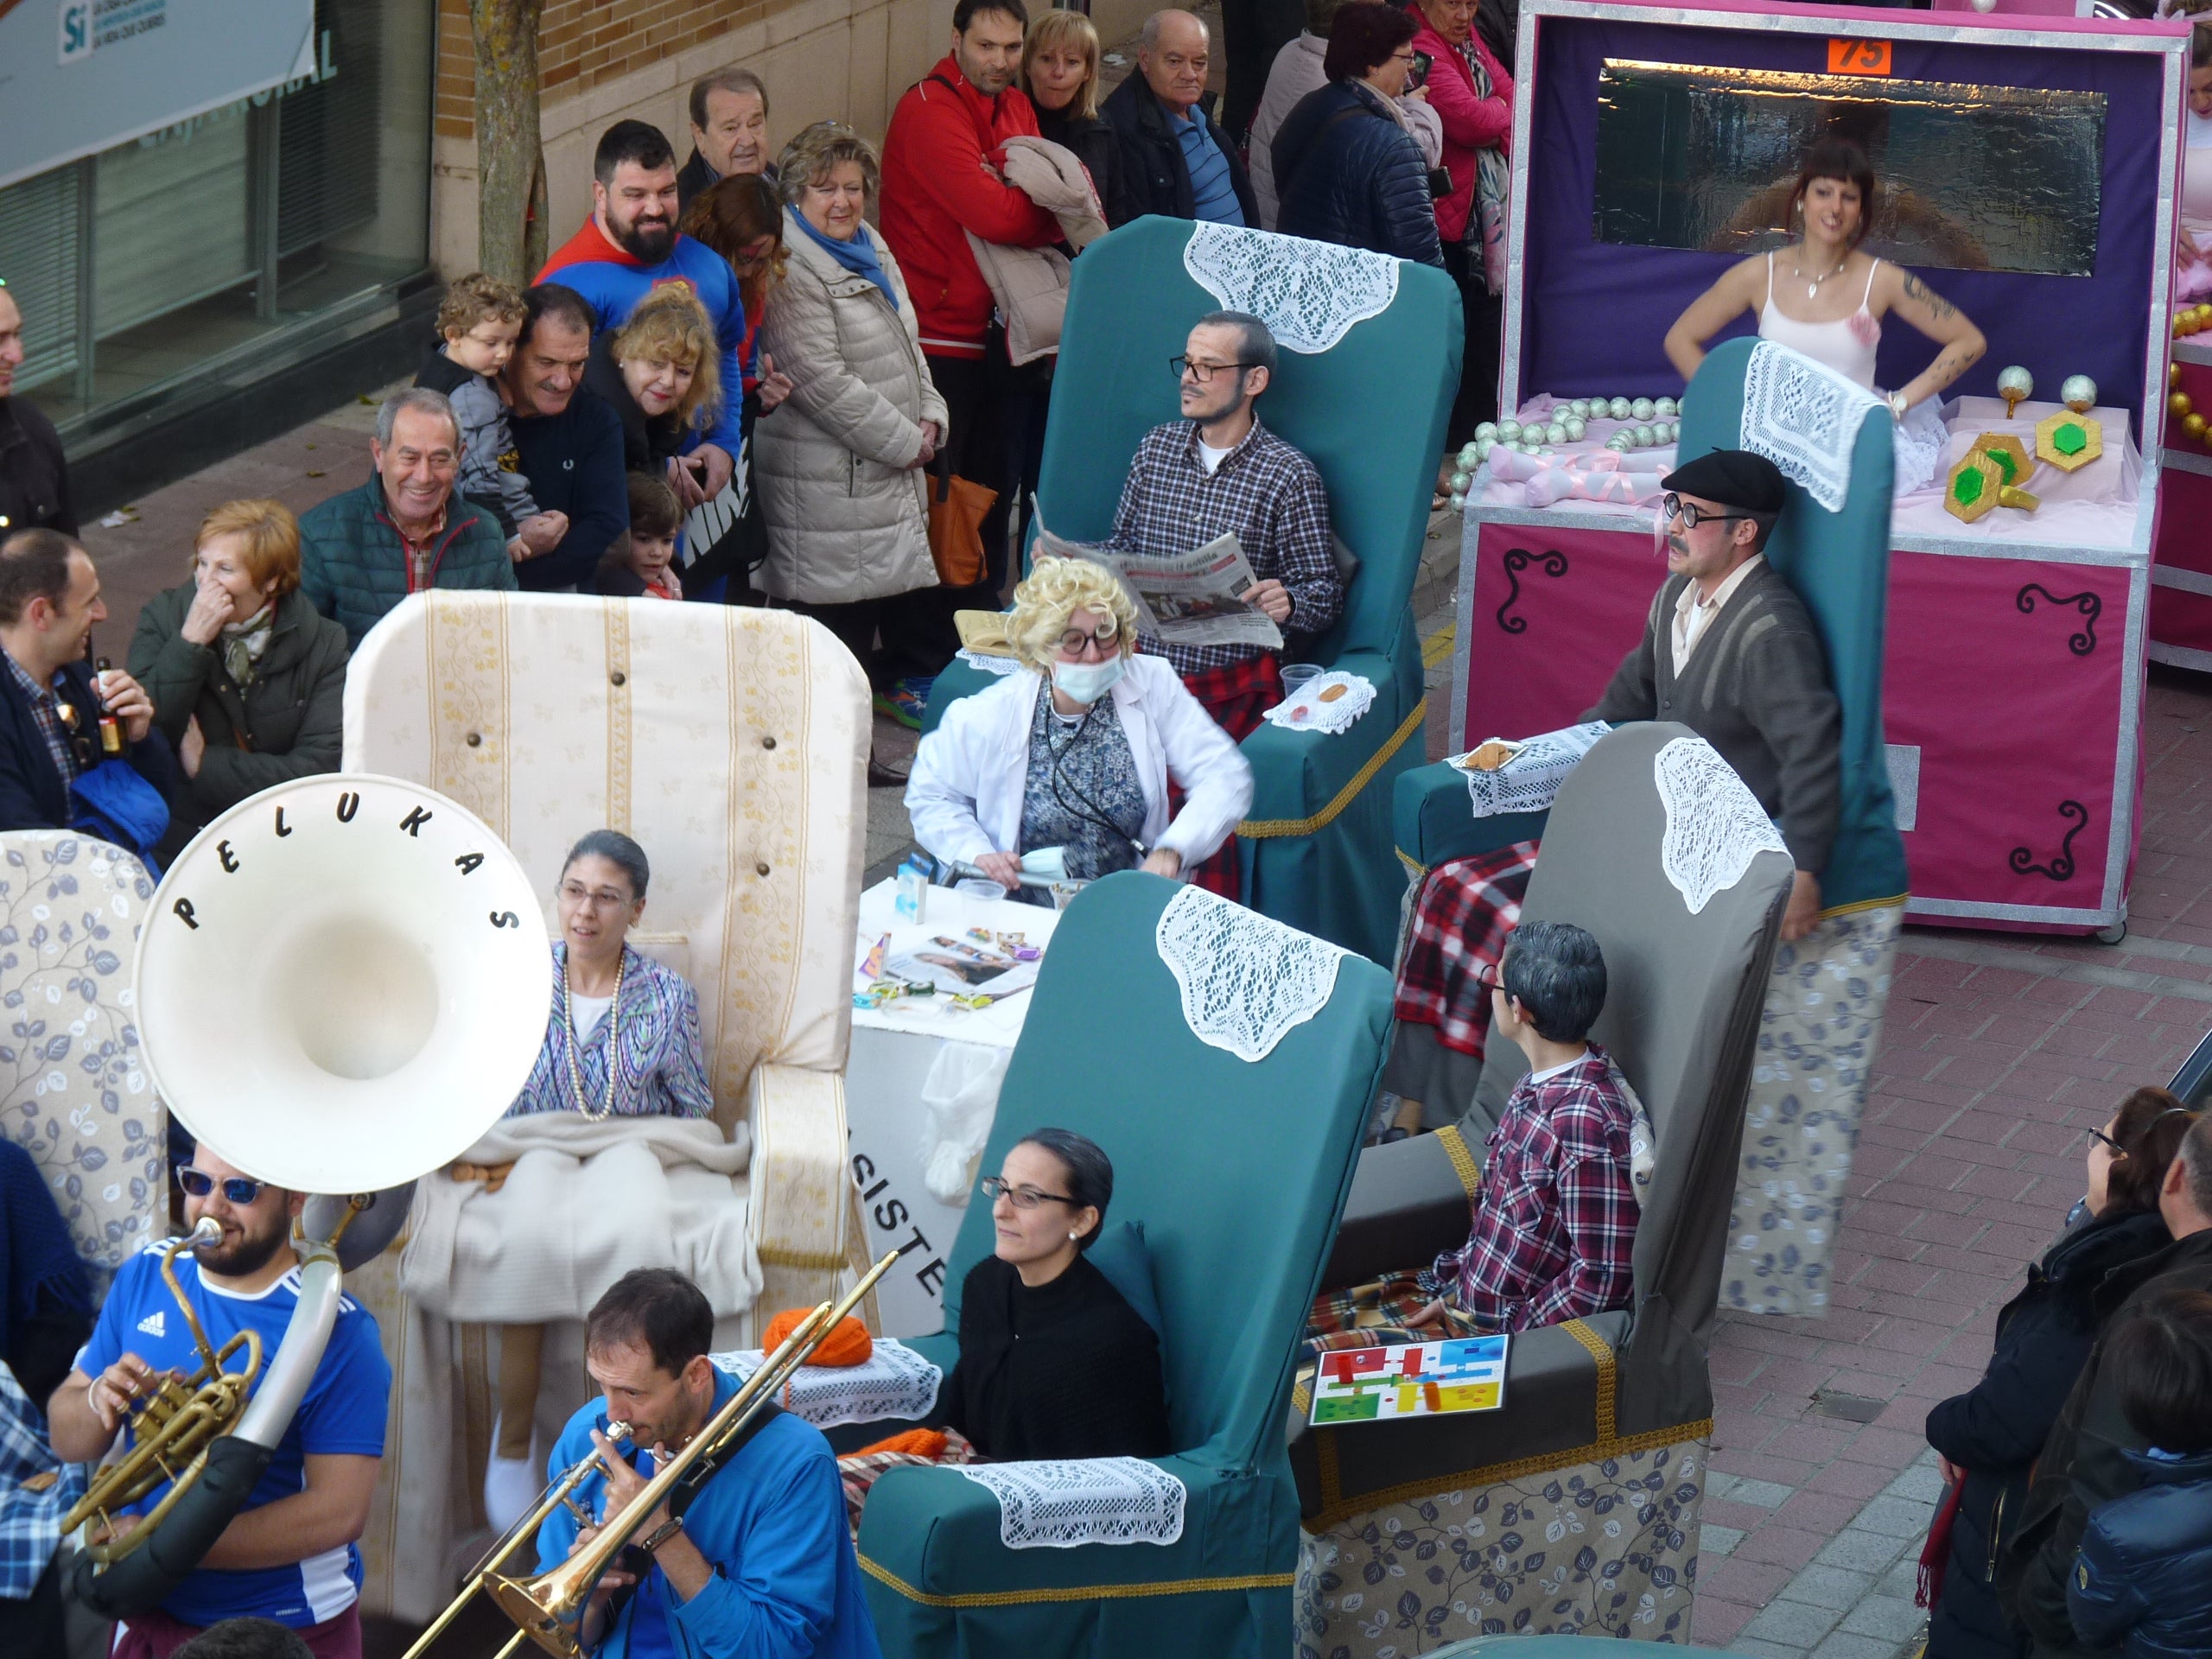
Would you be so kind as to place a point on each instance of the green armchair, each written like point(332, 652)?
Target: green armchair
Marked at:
point(1238, 1169)
point(1370, 412)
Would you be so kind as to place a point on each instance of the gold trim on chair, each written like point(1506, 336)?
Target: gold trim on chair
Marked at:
point(1463, 1160)
point(1608, 1373)
point(1078, 1592)
point(1336, 1507)
point(1263, 829)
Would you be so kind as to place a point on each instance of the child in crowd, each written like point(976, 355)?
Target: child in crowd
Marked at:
point(1555, 1225)
point(480, 319)
point(2143, 1576)
point(641, 563)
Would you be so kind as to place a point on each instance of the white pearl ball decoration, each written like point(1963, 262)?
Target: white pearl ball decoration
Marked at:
point(1487, 429)
point(1575, 428)
point(1619, 408)
point(1665, 408)
point(1508, 430)
point(1640, 409)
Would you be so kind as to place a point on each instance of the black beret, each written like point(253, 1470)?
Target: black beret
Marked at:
point(1734, 478)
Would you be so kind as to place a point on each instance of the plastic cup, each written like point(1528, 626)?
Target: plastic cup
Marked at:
point(1295, 674)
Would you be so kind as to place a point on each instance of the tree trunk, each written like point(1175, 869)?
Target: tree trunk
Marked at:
point(510, 160)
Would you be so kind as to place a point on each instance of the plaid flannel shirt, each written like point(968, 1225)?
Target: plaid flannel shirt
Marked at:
point(36, 1489)
point(1265, 492)
point(46, 710)
point(1556, 1223)
point(1466, 910)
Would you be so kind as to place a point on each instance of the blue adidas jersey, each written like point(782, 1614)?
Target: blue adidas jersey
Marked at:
point(343, 1413)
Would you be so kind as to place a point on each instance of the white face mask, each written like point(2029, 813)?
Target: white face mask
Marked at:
point(1087, 682)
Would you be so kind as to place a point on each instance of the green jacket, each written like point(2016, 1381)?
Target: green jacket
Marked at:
point(353, 570)
point(285, 725)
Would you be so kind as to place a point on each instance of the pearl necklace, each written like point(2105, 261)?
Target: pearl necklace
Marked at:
point(613, 1043)
point(1654, 419)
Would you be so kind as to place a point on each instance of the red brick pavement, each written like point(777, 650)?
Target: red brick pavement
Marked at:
point(1970, 1153)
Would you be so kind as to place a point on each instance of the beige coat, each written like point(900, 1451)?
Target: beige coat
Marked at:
point(847, 512)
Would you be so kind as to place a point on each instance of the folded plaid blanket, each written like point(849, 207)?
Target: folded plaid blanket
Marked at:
point(1465, 910)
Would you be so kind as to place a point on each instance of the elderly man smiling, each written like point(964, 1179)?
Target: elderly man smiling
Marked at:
point(363, 551)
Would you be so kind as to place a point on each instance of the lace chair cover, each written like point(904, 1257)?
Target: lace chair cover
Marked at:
point(1804, 417)
point(1715, 826)
point(1060, 1503)
point(1245, 980)
point(72, 1092)
point(893, 1382)
point(1309, 293)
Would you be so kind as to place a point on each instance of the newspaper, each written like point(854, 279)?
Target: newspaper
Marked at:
point(1188, 600)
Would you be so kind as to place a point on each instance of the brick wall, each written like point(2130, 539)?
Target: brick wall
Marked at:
point(584, 43)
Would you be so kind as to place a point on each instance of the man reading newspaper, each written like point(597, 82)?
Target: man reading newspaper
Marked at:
point(1216, 473)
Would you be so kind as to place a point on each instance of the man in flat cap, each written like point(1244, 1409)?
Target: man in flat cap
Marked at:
point(1729, 652)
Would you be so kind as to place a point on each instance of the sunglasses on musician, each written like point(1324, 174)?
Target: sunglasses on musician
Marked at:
point(236, 1189)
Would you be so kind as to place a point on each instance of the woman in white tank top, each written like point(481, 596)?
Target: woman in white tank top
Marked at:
point(1824, 296)
point(2193, 279)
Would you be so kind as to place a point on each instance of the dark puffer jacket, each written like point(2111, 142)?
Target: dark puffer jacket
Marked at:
point(1996, 1430)
point(2144, 1576)
point(1348, 173)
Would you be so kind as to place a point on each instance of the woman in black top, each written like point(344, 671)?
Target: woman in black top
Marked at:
point(1059, 70)
point(1054, 1362)
point(1989, 1437)
point(660, 371)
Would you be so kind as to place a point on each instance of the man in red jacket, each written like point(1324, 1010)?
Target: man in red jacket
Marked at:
point(938, 186)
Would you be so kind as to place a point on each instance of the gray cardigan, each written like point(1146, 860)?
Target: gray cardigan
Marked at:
point(1756, 689)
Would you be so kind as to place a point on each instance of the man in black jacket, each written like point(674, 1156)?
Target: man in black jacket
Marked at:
point(34, 482)
point(2086, 1462)
point(729, 131)
point(1175, 159)
point(568, 442)
point(50, 708)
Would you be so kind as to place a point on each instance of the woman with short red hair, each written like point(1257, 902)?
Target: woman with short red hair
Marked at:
point(247, 681)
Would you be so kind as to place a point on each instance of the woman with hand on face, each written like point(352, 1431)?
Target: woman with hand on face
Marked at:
point(1078, 748)
point(840, 464)
point(246, 680)
point(658, 372)
point(1825, 297)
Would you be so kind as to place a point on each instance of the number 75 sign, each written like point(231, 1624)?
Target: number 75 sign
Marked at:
point(1859, 57)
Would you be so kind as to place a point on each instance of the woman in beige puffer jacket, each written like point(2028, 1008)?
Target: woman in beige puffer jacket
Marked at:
point(837, 464)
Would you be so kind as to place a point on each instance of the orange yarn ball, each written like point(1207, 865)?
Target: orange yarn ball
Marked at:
point(847, 1344)
point(915, 1442)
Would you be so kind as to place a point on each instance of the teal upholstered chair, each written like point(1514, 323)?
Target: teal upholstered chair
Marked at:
point(1370, 411)
point(1576, 1502)
point(1838, 561)
point(1238, 1169)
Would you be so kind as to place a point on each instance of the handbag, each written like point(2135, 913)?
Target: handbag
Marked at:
point(1936, 1553)
point(957, 510)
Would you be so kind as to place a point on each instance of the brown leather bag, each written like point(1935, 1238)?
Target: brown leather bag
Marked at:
point(957, 510)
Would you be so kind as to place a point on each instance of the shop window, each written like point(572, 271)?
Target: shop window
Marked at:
point(1973, 178)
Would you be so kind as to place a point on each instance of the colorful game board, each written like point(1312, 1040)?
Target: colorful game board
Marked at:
point(1422, 1379)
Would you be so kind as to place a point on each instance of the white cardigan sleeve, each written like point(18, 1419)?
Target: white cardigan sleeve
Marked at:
point(1211, 771)
point(964, 772)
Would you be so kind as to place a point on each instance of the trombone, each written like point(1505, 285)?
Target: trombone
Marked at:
point(549, 1607)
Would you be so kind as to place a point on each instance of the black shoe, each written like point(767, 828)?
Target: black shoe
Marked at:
point(882, 776)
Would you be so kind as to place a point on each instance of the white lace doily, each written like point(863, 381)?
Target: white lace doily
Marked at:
point(1531, 779)
point(989, 664)
point(1715, 825)
point(1245, 980)
point(1311, 709)
point(1309, 293)
point(1804, 417)
point(894, 1382)
point(1058, 1503)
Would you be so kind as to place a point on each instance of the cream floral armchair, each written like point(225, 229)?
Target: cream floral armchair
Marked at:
point(733, 743)
point(73, 1091)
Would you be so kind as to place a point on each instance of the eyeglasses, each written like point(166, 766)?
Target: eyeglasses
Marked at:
point(1693, 515)
point(198, 1182)
point(1203, 373)
point(2103, 1139)
point(1105, 637)
point(1021, 1198)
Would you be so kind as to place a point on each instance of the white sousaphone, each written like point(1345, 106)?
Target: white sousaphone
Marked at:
point(341, 984)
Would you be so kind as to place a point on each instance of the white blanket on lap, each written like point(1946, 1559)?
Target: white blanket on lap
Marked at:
point(585, 1203)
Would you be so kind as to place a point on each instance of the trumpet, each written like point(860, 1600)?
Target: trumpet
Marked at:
point(549, 1608)
point(171, 1433)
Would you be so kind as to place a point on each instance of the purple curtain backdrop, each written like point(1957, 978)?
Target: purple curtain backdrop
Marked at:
point(1594, 314)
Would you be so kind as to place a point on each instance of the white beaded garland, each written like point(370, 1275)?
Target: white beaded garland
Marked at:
point(1640, 409)
point(1487, 429)
point(1555, 433)
point(1575, 428)
point(1644, 438)
point(1580, 409)
point(1665, 408)
point(1618, 409)
point(1458, 502)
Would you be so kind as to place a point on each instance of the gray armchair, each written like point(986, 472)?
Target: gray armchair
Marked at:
point(1574, 1506)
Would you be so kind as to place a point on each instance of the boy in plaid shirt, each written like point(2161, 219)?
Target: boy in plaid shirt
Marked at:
point(1555, 1225)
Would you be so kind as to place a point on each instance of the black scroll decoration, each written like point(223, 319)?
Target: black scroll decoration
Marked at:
point(1517, 559)
point(2060, 868)
point(2091, 608)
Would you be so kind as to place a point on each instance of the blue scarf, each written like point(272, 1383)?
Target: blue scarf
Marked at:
point(857, 256)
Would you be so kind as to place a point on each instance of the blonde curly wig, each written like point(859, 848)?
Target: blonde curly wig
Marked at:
point(1054, 591)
